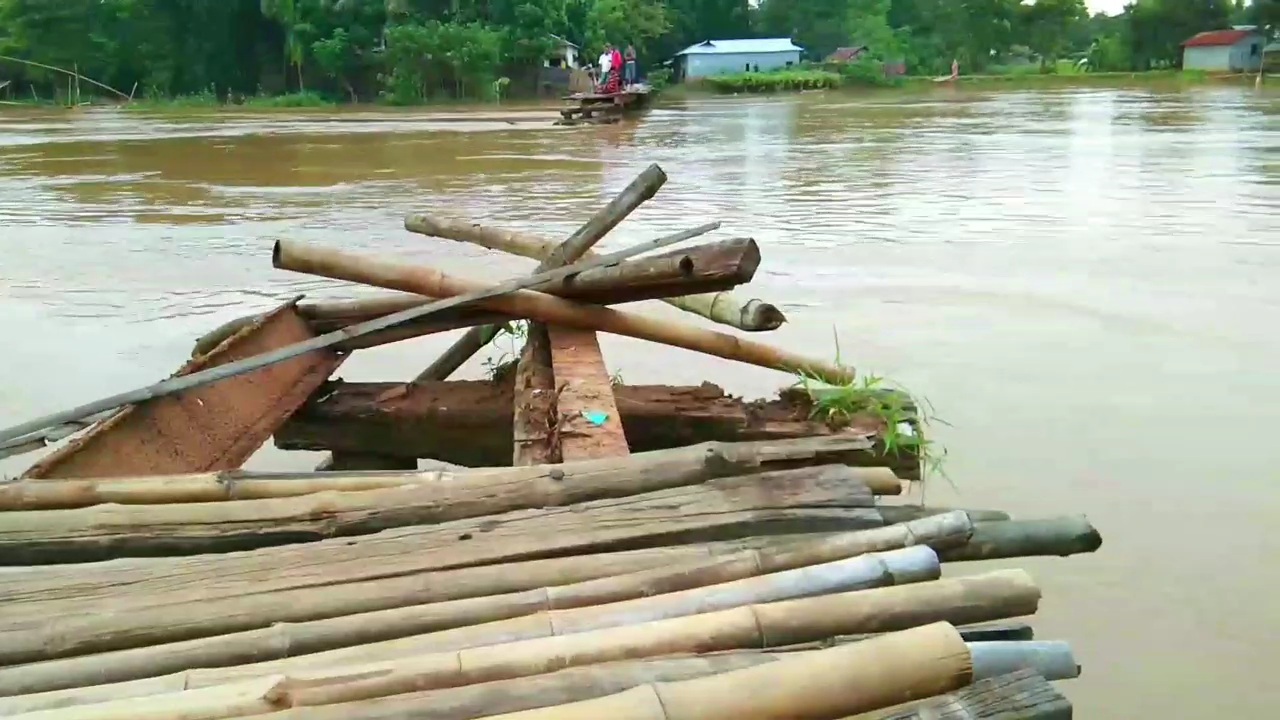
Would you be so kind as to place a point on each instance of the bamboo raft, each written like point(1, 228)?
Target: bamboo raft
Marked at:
point(541, 544)
point(604, 108)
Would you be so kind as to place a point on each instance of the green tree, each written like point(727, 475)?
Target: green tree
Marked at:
point(619, 22)
point(1046, 26)
point(288, 13)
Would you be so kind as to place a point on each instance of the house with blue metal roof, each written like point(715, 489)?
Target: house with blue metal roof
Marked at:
point(725, 57)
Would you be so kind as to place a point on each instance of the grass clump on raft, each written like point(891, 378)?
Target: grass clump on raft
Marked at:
point(509, 339)
point(903, 417)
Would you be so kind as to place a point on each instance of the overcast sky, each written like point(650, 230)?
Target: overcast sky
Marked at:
point(1110, 7)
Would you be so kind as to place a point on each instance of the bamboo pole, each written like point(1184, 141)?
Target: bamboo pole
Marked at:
point(724, 263)
point(643, 187)
point(978, 598)
point(185, 382)
point(722, 307)
point(276, 628)
point(1052, 659)
point(557, 688)
point(686, 465)
point(357, 639)
point(524, 693)
point(338, 265)
point(907, 665)
point(60, 628)
point(184, 592)
point(46, 537)
point(1061, 536)
point(68, 73)
point(233, 700)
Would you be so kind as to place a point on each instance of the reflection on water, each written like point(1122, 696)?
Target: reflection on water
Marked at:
point(1082, 282)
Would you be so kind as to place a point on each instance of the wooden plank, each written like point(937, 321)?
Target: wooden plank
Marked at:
point(589, 424)
point(534, 406)
point(1023, 695)
point(212, 427)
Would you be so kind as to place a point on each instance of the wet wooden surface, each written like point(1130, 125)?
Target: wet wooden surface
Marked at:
point(589, 425)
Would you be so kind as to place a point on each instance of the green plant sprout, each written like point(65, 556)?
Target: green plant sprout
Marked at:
point(905, 417)
point(509, 339)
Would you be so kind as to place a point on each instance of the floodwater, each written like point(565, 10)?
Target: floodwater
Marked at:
point(1083, 283)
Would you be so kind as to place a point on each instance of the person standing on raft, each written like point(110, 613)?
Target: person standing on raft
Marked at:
point(629, 66)
point(603, 63)
point(611, 66)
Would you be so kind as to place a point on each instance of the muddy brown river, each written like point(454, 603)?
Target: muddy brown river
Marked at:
point(1083, 283)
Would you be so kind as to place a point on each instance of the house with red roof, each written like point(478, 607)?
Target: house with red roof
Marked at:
point(1237, 50)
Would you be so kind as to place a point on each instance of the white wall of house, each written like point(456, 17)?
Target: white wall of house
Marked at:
point(1244, 56)
point(566, 56)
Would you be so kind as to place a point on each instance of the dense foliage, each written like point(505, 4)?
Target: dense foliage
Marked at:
point(408, 51)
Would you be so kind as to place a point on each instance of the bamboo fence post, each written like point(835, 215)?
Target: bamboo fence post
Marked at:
point(721, 307)
point(338, 265)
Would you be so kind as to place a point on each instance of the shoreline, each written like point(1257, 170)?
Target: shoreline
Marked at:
point(295, 103)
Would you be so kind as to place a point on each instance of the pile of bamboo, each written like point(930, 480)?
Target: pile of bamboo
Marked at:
point(747, 580)
point(768, 573)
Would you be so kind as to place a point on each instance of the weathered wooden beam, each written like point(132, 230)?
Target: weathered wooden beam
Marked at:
point(212, 427)
point(469, 422)
point(534, 409)
point(588, 424)
point(1023, 695)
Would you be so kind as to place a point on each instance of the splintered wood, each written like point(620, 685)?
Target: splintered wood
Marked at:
point(534, 406)
point(589, 425)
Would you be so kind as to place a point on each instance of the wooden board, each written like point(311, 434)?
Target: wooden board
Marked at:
point(589, 425)
point(212, 427)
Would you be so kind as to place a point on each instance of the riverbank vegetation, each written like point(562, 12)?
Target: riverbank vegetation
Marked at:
point(304, 53)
